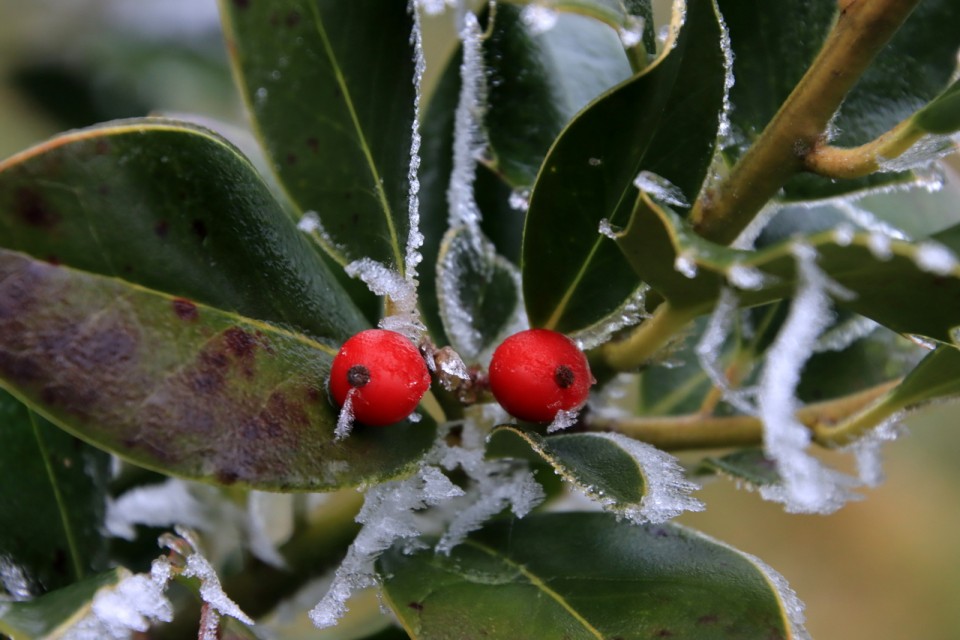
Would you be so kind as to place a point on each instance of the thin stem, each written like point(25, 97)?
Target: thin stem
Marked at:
point(695, 431)
point(863, 27)
point(649, 338)
point(836, 162)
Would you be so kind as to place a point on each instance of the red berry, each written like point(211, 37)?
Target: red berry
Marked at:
point(383, 372)
point(536, 373)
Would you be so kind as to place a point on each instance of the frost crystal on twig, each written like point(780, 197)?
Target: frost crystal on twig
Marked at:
point(807, 485)
point(710, 349)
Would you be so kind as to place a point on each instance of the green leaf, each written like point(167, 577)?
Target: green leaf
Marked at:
point(524, 114)
point(172, 207)
point(585, 575)
point(183, 388)
point(50, 616)
point(665, 121)
point(773, 45)
point(935, 378)
point(479, 292)
point(611, 469)
point(52, 500)
point(747, 465)
point(564, 69)
point(942, 115)
point(657, 236)
point(330, 87)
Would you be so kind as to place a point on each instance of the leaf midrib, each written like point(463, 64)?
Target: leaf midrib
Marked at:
point(539, 583)
point(361, 138)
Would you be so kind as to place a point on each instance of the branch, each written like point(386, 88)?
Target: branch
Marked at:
point(863, 27)
point(836, 162)
point(696, 431)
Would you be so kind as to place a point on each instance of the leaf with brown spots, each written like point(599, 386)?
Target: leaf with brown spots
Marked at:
point(585, 576)
point(175, 208)
point(187, 390)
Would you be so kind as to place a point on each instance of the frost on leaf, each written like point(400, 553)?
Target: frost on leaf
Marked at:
point(660, 189)
point(402, 293)
point(666, 491)
point(807, 485)
point(628, 314)
point(792, 605)
point(392, 511)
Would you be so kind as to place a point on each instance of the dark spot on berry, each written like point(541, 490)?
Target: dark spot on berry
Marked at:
point(32, 209)
point(564, 376)
point(291, 158)
point(162, 228)
point(241, 4)
point(102, 147)
point(199, 229)
point(185, 309)
point(416, 606)
point(240, 343)
point(314, 144)
point(358, 376)
point(293, 19)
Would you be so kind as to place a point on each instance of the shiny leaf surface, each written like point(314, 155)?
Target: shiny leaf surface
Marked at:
point(172, 207)
point(664, 121)
point(583, 575)
point(52, 502)
point(330, 87)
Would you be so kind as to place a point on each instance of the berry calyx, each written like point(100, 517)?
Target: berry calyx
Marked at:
point(383, 374)
point(538, 372)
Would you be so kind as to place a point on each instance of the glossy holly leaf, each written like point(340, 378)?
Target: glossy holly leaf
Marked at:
point(774, 43)
point(330, 88)
point(52, 502)
point(876, 269)
point(665, 121)
point(479, 292)
point(586, 575)
point(183, 388)
point(564, 68)
point(50, 615)
point(751, 466)
point(173, 207)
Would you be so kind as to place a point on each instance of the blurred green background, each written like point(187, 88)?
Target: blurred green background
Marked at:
point(886, 567)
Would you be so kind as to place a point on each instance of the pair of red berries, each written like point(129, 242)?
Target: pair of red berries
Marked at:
point(534, 375)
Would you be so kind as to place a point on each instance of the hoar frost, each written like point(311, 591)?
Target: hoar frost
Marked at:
point(390, 511)
point(660, 189)
point(807, 485)
point(538, 18)
point(710, 349)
